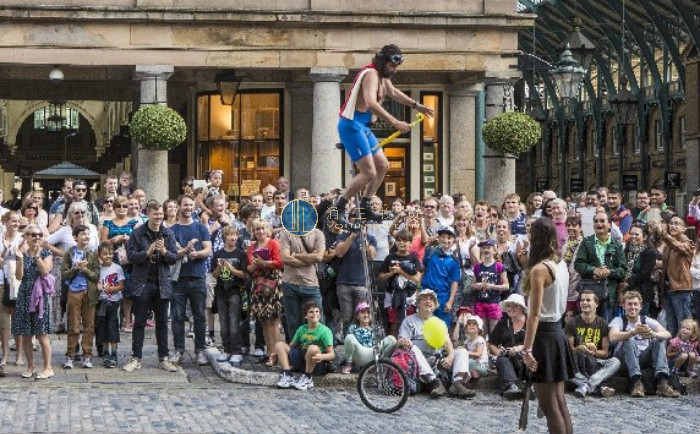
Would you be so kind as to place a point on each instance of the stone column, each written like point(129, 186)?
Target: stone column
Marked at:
point(325, 158)
point(462, 140)
point(152, 166)
point(499, 169)
point(301, 98)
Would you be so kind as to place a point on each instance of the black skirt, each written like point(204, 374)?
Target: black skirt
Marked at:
point(554, 357)
point(6, 296)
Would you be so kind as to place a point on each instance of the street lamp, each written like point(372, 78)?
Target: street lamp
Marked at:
point(580, 46)
point(227, 84)
point(624, 104)
point(568, 75)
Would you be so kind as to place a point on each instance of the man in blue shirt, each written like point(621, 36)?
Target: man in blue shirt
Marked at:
point(442, 272)
point(193, 248)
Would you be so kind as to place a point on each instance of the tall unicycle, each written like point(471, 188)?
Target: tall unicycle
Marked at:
point(381, 384)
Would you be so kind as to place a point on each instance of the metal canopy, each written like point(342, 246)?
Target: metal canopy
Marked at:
point(65, 170)
point(652, 27)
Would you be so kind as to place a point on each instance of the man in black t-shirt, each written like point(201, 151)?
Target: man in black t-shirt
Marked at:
point(588, 337)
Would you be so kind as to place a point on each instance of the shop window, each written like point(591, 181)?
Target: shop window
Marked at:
point(243, 140)
point(398, 179)
point(431, 140)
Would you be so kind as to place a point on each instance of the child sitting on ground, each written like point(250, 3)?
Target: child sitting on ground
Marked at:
point(312, 343)
point(476, 345)
point(110, 287)
point(682, 350)
point(358, 342)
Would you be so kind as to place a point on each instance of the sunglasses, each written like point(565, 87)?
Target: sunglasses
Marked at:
point(80, 189)
point(120, 206)
point(36, 235)
point(108, 201)
point(189, 184)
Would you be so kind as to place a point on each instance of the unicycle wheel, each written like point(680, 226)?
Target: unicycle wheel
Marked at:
point(383, 386)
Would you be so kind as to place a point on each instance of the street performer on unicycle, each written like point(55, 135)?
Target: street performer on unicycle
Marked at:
point(361, 108)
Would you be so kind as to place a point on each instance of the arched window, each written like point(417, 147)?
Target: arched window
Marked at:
point(56, 117)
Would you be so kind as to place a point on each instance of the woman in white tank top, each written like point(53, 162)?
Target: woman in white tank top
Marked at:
point(546, 351)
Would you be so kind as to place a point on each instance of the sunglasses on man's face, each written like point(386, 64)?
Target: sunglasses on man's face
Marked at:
point(80, 189)
point(36, 235)
point(109, 201)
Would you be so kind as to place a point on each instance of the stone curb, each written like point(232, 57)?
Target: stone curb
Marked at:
point(243, 376)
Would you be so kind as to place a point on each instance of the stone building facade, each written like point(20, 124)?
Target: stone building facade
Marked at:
point(296, 59)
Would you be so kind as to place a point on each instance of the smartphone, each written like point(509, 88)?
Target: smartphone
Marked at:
point(654, 215)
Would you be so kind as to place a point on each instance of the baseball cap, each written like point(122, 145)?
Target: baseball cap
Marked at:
point(446, 230)
point(487, 242)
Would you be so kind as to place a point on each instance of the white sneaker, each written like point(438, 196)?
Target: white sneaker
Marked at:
point(236, 359)
point(176, 357)
point(87, 362)
point(223, 357)
point(286, 381)
point(132, 364)
point(202, 358)
point(258, 353)
point(167, 365)
point(582, 391)
point(68, 364)
point(304, 383)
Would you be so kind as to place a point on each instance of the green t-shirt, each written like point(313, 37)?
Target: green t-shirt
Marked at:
point(320, 336)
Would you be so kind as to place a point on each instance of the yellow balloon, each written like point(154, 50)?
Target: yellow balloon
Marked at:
point(435, 332)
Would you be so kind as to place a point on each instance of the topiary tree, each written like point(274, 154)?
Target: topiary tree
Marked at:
point(512, 133)
point(157, 128)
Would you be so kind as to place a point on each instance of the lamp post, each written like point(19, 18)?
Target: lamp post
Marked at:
point(624, 105)
point(568, 76)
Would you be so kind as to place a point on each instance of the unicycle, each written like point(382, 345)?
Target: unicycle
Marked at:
point(382, 385)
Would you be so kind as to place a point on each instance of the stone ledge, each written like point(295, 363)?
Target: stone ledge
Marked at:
point(244, 376)
point(64, 14)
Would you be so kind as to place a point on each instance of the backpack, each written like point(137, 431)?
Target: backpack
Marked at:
point(406, 360)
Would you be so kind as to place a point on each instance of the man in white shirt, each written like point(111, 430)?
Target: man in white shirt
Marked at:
point(641, 343)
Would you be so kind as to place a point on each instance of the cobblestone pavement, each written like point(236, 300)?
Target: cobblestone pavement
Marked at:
point(197, 400)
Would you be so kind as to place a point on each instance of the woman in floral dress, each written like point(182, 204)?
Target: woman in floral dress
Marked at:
point(33, 261)
point(266, 300)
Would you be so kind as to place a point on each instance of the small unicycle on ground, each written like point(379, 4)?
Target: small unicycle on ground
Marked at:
point(382, 385)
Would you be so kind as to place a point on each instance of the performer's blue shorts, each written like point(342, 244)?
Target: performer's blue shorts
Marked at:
point(356, 136)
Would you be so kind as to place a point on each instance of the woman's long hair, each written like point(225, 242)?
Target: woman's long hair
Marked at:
point(543, 241)
point(543, 246)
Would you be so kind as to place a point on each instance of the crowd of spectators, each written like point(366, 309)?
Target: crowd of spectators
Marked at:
point(120, 263)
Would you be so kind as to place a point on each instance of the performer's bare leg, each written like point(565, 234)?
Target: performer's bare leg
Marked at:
point(371, 172)
point(381, 166)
